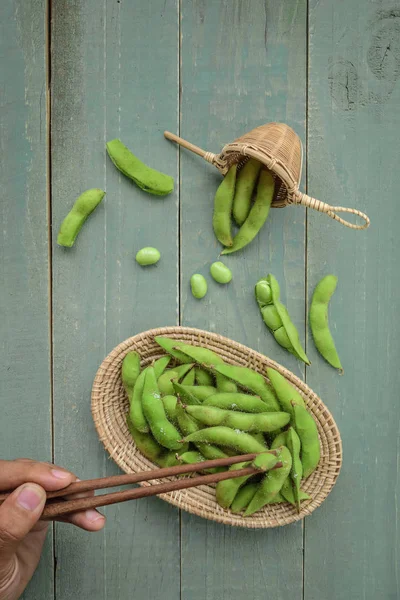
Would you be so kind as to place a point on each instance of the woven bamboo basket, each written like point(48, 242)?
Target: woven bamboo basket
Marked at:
point(279, 148)
point(110, 407)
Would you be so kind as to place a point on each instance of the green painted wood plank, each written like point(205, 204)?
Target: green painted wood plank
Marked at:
point(111, 80)
point(25, 426)
point(243, 64)
point(352, 542)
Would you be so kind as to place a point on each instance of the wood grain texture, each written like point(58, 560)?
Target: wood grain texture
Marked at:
point(111, 80)
point(25, 425)
point(243, 64)
point(351, 544)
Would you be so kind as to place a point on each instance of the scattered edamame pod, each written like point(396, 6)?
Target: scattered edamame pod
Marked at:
point(148, 256)
point(276, 317)
point(307, 431)
point(224, 436)
point(82, 208)
point(285, 392)
point(163, 431)
point(252, 381)
point(236, 401)
point(271, 484)
point(257, 216)
point(136, 411)
point(245, 185)
point(148, 179)
point(198, 286)
point(252, 423)
point(220, 272)
point(319, 322)
point(223, 207)
point(130, 371)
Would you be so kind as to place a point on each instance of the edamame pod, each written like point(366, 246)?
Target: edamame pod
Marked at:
point(168, 344)
point(257, 216)
point(148, 179)
point(285, 392)
point(307, 431)
point(189, 378)
point(245, 185)
point(207, 359)
point(319, 322)
point(223, 207)
point(296, 472)
point(184, 394)
point(188, 426)
point(276, 317)
point(203, 377)
point(236, 401)
point(252, 423)
point(194, 456)
point(148, 446)
point(170, 408)
point(136, 410)
point(226, 490)
point(160, 365)
point(271, 484)
point(164, 382)
point(201, 392)
point(164, 432)
point(82, 208)
point(130, 371)
point(224, 436)
point(243, 497)
point(252, 381)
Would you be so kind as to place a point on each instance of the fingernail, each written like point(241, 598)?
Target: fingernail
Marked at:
point(30, 497)
point(92, 515)
point(59, 474)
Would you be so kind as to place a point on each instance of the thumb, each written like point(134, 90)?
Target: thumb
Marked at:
point(18, 515)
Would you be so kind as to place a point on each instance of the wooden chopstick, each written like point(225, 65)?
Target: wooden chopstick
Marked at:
point(53, 510)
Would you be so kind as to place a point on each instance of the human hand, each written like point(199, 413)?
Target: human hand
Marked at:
point(22, 534)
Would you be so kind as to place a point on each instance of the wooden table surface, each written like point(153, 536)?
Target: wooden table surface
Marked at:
point(76, 73)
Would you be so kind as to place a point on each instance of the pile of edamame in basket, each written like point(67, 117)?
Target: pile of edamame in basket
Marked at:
point(190, 406)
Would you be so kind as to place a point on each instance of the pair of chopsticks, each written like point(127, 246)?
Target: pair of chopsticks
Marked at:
point(56, 509)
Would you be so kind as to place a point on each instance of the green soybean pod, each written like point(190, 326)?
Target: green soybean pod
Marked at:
point(252, 423)
point(258, 213)
point(319, 322)
point(267, 460)
point(168, 344)
point(170, 408)
point(279, 440)
point(187, 426)
point(160, 365)
point(252, 381)
point(148, 446)
point(201, 392)
point(285, 392)
point(130, 371)
point(148, 179)
point(220, 272)
point(296, 472)
point(223, 207)
point(243, 497)
point(203, 377)
point(189, 378)
point(226, 437)
point(245, 185)
point(271, 484)
point(136, 410)
point(307, 431)
point(194, 456)
point(148, 256)
point(184, 394)
point(82, 208)
point(226, 490)
point(207, 359)
point(236, 401)
point(165, 382)
point(198, 285)
point(163, 431)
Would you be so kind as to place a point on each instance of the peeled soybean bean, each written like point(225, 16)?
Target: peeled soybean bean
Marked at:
point(148, 256)
point(220, 272)
point(319, 322)
point(198, 286)
point(148, 179)
point(82, 208)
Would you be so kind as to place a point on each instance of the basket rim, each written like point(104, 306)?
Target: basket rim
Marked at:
point(178, 498)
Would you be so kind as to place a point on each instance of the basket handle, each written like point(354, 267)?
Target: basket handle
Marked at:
point(331, 211)
point(208, 156)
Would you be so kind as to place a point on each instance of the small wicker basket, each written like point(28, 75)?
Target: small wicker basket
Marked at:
point(110, 407)
point(279, 148)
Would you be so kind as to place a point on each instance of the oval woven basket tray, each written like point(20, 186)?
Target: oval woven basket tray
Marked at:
point(110, 407)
